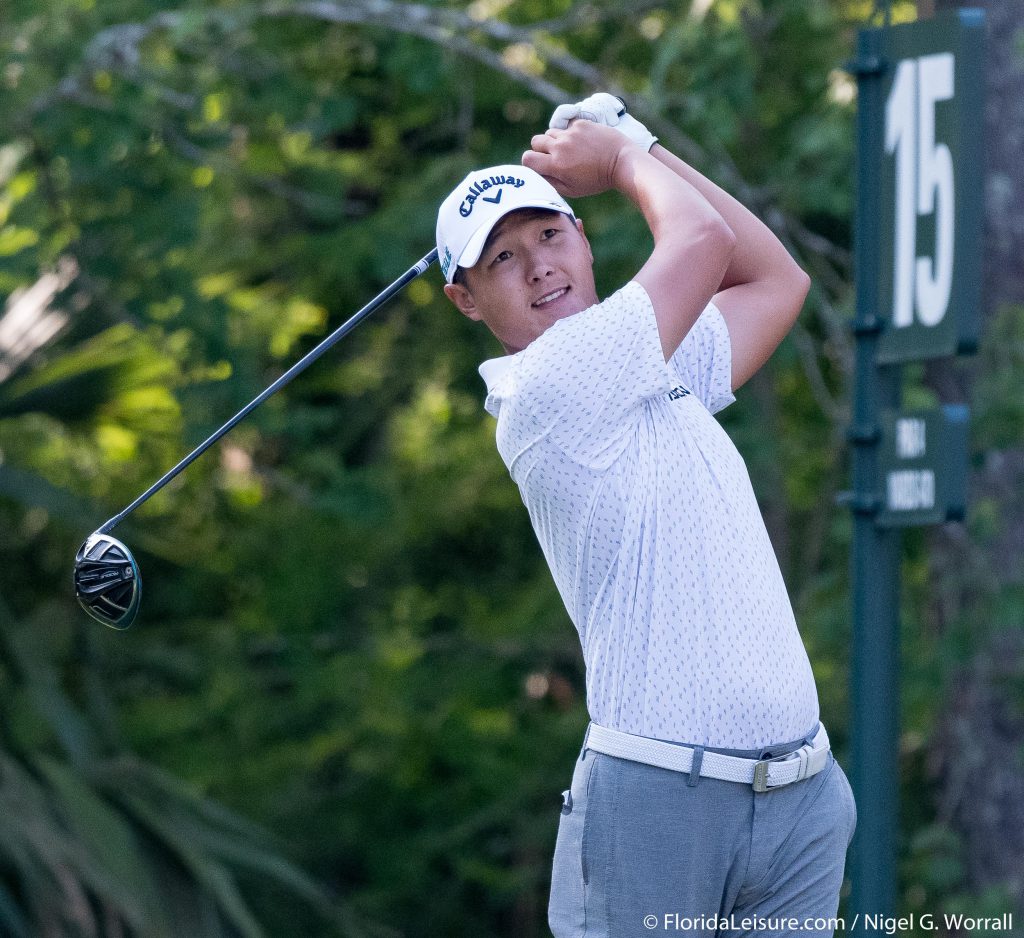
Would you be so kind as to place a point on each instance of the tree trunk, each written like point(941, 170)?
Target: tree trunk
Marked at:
point(977, 573)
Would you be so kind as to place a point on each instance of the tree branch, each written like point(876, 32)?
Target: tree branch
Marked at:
point(117, 49)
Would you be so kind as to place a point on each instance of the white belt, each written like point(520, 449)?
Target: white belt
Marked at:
point(762, 774)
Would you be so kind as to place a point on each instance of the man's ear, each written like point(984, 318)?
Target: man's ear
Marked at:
point(579, 228)
point(463, 299)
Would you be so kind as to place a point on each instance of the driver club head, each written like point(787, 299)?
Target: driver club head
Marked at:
point(108, 585)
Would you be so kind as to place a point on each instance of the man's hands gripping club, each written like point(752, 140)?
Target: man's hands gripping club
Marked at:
point(569, 154)
point(580, 160)
point(606, 109)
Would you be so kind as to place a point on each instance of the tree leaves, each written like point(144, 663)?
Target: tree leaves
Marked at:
point(348, 633)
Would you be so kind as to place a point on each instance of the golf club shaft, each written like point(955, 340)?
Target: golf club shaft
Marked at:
point(411, 274)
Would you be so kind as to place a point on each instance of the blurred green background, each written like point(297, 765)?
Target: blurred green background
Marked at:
point(353, 696)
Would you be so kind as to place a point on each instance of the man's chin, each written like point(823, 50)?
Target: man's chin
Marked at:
point(561, 309)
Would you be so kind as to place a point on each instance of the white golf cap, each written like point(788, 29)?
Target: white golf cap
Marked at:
point(479, 202)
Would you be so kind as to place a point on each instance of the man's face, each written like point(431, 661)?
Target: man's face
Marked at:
point(536, 268)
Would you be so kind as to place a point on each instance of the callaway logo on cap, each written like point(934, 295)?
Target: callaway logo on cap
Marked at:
point(479, 202)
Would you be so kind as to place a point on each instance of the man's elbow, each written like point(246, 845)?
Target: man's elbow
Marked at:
point(797, 285)
point(801, 282)
point(723, 235)
point(718, 240)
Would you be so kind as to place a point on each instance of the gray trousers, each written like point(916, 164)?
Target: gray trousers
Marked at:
point(644, 851)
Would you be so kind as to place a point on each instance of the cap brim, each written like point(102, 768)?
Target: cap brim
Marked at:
point(475, 245)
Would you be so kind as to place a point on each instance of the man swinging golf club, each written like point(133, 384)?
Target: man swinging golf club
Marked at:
point(705, 799)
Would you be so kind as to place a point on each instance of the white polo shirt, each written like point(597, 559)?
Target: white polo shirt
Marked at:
point(646, 516)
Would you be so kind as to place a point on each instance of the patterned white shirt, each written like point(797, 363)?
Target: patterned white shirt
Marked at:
point(646, 516)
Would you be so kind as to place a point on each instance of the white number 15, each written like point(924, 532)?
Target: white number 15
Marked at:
point(924, 185)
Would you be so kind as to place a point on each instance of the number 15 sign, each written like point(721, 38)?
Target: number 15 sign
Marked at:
point(931, 178)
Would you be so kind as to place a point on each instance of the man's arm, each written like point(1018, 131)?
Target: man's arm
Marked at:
point(763, 289)
point(693, 244)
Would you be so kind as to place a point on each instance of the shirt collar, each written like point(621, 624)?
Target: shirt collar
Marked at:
point(494, 369)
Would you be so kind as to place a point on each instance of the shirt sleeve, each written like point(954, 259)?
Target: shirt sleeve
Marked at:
point(703, 361)
point(586, 378)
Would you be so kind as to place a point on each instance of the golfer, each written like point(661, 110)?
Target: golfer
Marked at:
point(705, 799)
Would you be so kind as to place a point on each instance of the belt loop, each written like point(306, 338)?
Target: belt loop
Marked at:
point(586, 736)
point(698, 758)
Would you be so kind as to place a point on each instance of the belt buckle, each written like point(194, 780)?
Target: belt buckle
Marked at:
point(760, 782)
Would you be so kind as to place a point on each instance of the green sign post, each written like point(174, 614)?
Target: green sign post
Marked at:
point(918, 262)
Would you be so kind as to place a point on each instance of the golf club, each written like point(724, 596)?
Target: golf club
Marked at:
point(108, 584)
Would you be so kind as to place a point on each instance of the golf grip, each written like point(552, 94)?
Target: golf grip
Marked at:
point(301, 365)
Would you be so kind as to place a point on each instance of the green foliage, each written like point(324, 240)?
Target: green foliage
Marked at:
point(940, 884)
point(999, 398)
point(348, 633)
point(93, 840)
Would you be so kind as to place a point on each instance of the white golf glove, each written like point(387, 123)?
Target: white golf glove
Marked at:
point(604, 108)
